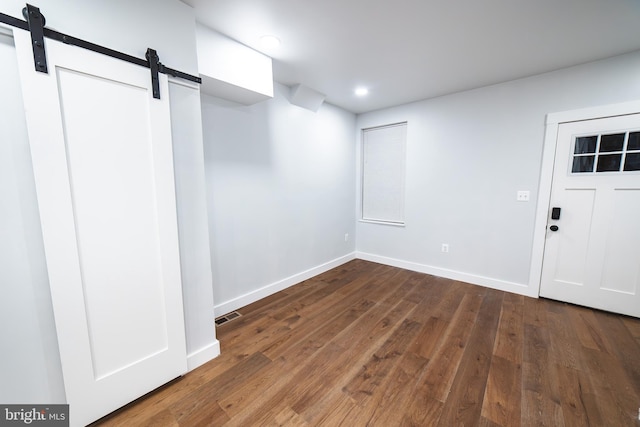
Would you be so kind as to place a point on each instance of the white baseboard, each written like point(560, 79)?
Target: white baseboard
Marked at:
point(246, 299)
point(203, 355)
point(488, 282)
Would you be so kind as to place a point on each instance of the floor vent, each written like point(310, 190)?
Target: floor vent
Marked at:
point(227, 317)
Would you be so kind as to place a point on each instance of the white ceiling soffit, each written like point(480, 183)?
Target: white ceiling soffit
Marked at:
point(408, 50)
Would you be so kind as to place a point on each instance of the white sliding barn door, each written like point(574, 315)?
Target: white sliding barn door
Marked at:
point(102, 156)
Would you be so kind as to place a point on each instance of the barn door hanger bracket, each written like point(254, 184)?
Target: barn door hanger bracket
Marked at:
point(154, 66)
point(36, 22)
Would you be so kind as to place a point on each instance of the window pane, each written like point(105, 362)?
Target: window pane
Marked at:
point(609, 163)
point(632, 163)
point(583, 164)
point(611, 142)
point(634, 141)
point(586, 144)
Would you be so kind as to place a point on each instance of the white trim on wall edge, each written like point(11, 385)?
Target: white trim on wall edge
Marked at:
point(203, 355)
point(553, 121)
point(502, 285)
point(246, 299)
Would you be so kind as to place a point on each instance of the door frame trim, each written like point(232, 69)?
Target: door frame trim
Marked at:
point(552, 123)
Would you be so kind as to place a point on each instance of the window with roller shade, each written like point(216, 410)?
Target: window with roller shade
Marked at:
point(383, 173)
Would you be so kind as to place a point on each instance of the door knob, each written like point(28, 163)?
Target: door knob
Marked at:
point(554, 228)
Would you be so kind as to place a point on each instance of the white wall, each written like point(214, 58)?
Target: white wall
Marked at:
point(281, 192)
point(467, 156)
point(29, 364)
point(195, 261)
point(30, 369)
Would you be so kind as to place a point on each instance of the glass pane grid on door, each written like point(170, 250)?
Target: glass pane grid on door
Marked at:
point(611, 152)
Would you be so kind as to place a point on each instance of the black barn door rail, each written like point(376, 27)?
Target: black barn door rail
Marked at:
point(35, 24)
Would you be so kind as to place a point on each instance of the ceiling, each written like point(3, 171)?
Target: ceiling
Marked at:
point(408, 50)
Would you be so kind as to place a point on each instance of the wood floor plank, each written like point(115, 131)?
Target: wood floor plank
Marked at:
point(337, 358)
point(321, 330)
point(463, 406)
point(633, 326)
point(305, 382)
point(397, 391)
point(253, 321)
point(204, 399)
point(575, 386)
point(294, 359)
point(422, 287)
point(590, 332)
point(285, 318)
point(337, 412)
point(626, 351)
point(540, 395)
point(389, 408)
point(294, 309)
point(614, 390)
point(433, 290)
point(535, 312)
point(564, 341)
point(423, 411)
point(484, 422)
point(351, 271)
point(376, 323)
point(575, 390)
point(162, 418)
point(509, 339)
point(207, 413)
point(288, 417)
point(260, 337)
point(366, 344)
point(373, 373)
point(239, 399)
point(370, 284)
point(332, 305)
point(354, 355)
point(440, 373)
point(449, 302)
point(502, 399)
point(427, 342)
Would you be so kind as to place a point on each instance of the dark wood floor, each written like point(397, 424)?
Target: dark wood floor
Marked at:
point(367, 344)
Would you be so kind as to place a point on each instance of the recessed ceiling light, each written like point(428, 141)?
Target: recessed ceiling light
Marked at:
point(361, 91)
point(269, 42)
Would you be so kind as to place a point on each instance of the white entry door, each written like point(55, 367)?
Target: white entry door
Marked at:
point(102, 157)
point(592, 252)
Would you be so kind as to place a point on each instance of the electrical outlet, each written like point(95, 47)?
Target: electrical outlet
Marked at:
point(522, 196)
point(445, 247)
point(346, 237)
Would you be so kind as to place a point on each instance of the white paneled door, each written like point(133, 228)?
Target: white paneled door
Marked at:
point(102, 156)
point(592, 254)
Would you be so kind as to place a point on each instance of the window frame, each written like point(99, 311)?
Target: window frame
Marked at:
point(400, 152)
